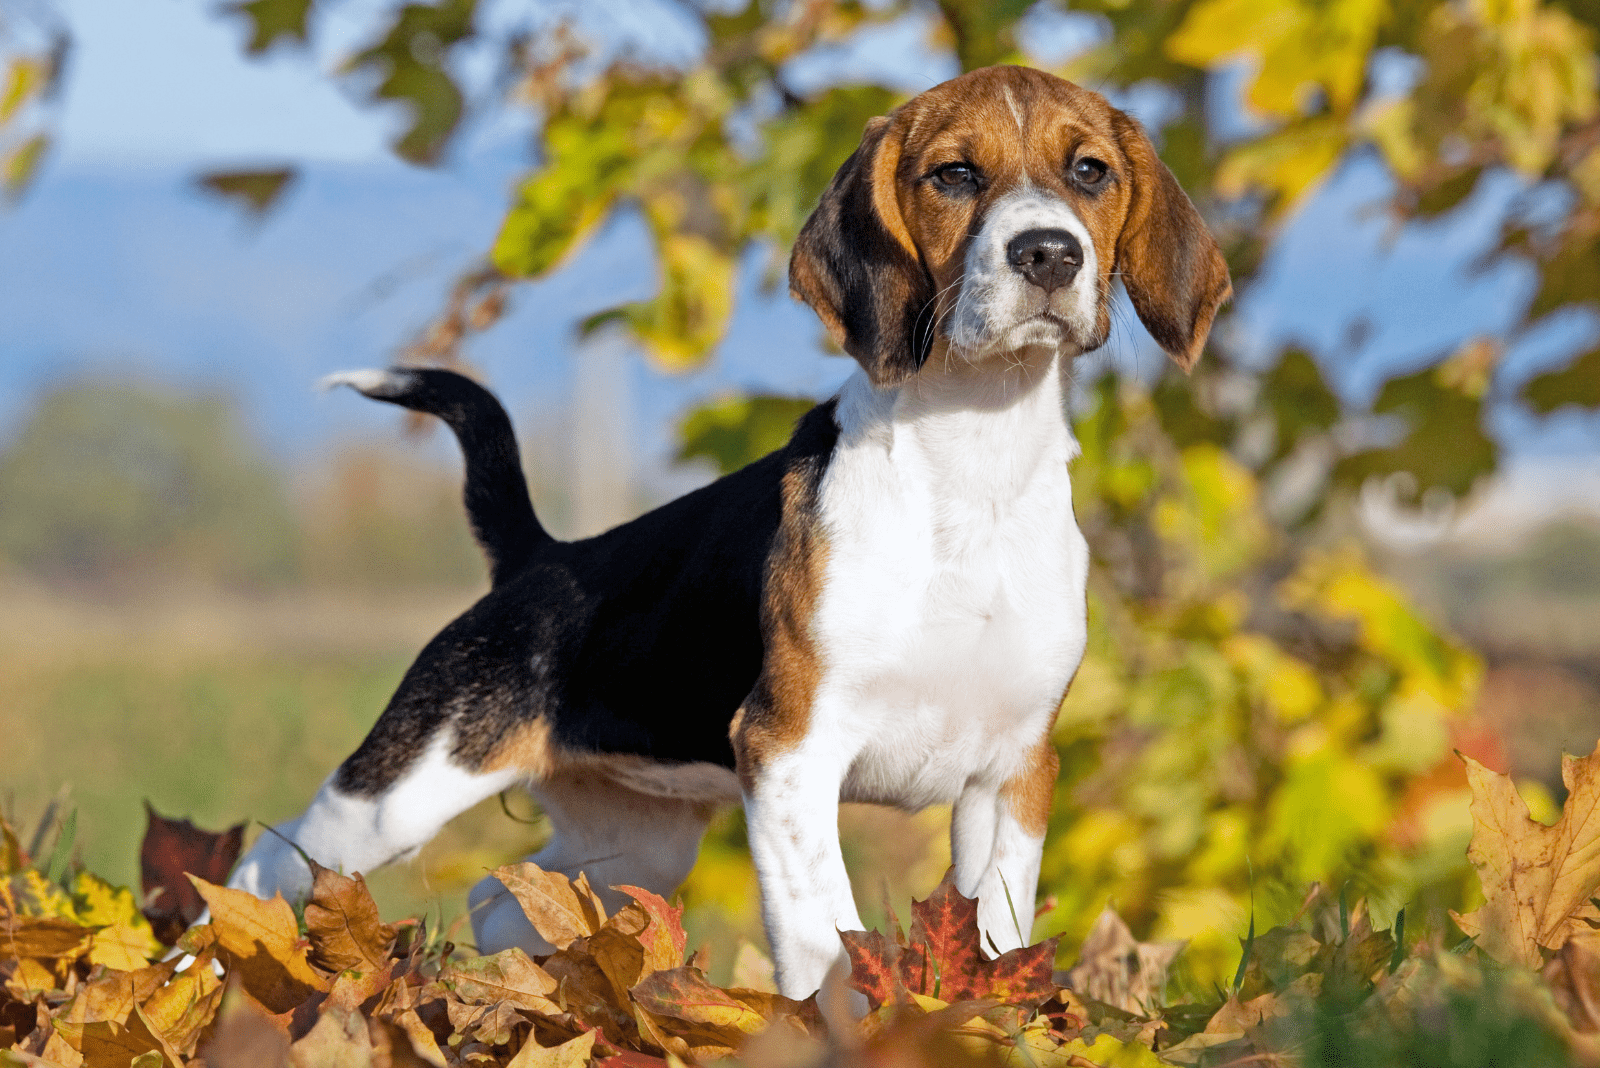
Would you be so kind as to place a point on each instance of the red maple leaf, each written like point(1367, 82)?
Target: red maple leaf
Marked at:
point(171, 848)
point(942, 958)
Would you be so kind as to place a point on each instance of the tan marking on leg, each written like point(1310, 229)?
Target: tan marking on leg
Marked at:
point(528, 749)
point(778, 712)
point(1028, 794)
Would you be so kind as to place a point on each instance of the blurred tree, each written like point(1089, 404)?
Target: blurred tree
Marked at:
point(377, 520)
point(33, 53)
point(118, 481)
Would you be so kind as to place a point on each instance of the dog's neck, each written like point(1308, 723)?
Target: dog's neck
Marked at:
point(979, 432)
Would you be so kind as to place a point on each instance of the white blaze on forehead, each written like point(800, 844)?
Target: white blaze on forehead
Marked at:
point(996, 300)
point(1016, 112)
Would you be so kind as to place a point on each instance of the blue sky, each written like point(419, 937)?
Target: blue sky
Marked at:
point(114, 263)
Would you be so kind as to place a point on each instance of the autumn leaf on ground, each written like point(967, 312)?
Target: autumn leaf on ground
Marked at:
point(1116, 969)
point(170, 849)
point(263, 946)
point(343, 924)
point(941, 958)
point(1535, 878)
point(559, 908)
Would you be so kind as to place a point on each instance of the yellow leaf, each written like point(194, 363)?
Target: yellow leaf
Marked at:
point(1534, 877)
point(30, 980)
point(573, 1054)
point(1110, 1053)
point(123, 946)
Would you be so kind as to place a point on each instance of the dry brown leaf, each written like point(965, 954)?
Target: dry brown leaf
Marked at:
point(343, 924)
point(245, 1037)
point(509, 975)
point(29, 980)
point(1534, 877)
point(423, 1044)
point(559, 909)
point(107, 1044)
point(1116, 969)
point(263, 945)
point(40, 937)
point(662, 938)
point(1573, 975)
point(686, 994)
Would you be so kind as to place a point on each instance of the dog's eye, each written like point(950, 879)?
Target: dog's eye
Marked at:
point(956, 176)
point(1089, 171)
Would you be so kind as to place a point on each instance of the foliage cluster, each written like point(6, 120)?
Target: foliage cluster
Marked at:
point(259, 983)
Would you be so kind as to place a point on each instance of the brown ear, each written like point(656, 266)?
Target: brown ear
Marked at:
point(1170, 264)
point(856, 265)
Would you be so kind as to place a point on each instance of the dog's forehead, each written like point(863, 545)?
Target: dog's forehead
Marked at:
point(1010, 115)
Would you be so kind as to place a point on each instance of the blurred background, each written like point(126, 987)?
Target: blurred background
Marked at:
point(1363, 535)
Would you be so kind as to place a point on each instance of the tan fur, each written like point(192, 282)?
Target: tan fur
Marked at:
point(1028, 795)
point(527, 749)
point(778, 713)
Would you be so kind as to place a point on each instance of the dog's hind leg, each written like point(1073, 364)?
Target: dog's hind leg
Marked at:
point(368, 813)
point(615, 835)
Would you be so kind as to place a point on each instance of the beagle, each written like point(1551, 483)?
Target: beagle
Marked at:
point(888, 609)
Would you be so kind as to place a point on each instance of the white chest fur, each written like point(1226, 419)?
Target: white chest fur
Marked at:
point(952, 609)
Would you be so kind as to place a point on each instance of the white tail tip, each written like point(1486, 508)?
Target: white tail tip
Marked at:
point(367, 380)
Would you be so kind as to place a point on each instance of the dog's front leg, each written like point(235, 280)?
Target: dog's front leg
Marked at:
point(996, 840)
point(791, 804)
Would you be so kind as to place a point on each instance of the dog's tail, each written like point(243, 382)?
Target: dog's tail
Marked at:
point(495, 492)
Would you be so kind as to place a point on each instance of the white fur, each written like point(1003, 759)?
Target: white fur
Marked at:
point(952, 618)
point(350, 833)
point(365, 380)
point(999, 311)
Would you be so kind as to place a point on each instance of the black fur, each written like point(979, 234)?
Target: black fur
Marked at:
point(848, 266)
point(494, 491)
point(643, 640)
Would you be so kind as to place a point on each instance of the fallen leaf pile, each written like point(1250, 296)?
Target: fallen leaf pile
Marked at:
point(94, 977)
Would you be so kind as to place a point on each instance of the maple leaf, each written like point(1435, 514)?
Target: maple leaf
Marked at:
point(171, 849)
point(343, 925)
point(1535, 878)
point(941, 957)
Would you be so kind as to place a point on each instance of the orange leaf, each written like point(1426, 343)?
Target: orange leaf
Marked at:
point(263, 945)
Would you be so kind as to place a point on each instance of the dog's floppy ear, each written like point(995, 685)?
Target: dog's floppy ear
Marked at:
point(1170, 264)
point(857, 266)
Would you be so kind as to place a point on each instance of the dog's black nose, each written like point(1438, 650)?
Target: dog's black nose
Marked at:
point(1048, 258)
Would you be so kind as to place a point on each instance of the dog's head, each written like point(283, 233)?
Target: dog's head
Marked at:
point(990, 214)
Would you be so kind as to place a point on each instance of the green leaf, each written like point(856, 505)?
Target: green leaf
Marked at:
point(1576, 384)
point(253, 191)
point(61, 855)
point(733, 431)
point(273, 19)
point(410, 61)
